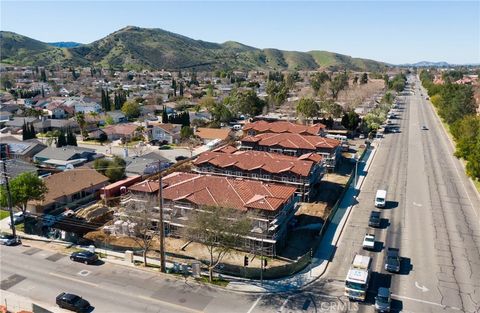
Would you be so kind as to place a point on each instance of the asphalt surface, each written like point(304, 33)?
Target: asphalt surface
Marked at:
point(41, 275)
point(432, 216)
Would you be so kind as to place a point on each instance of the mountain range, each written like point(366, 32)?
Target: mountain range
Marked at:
point(143, 48)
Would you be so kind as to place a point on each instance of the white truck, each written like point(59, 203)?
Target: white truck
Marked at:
point(358, 276)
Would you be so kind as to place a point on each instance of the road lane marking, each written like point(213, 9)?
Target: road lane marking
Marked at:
point(176, 306)
point(422, 288)
point(417, 204)
point(426, 302)
point(254, 304)
point(284, 304)
point(73, 279)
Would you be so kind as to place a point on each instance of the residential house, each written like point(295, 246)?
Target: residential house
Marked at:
point(17, 123)
point(56, 110)
point(16, 167)
point(147, 164)
point(65, 157)
point(165, 132)
point(84, 105)
point(303, 173)
point(271, 205)
point(68, 190)
point(116, 116)
point(5, 116)
point(145, 188)
point(45, 125)
point(24, 150)
point(208, 135)
point(115, 132)
point(261, 126)
point(294, 145)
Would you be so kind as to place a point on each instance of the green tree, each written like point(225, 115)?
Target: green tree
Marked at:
point(244, 102)
point(24, 188)
point(82, 123)
point(364, 79)
point(61, 140)
point(71, 138)
point(337, 84)
point(186, 132)
point(350, 120)
point(308, 108)
point(174, 87)
point(220, 230)
point(114, 169)
point(131, 109)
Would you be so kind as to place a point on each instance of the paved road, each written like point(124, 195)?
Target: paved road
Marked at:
point(41, 275)
point(432, 216)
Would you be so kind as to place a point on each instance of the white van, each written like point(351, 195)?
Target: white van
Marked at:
point(381, 198)
point(237, 127)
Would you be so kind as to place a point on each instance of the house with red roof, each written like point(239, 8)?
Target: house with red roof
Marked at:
point(271, 205)
point(262, 126)
point(302, 172)
point(294, 145)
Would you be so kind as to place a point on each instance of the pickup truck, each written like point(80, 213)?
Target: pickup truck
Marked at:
point(72, 302)
point(392, 261)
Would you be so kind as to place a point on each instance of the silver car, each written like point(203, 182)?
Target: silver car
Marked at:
point(9, 240)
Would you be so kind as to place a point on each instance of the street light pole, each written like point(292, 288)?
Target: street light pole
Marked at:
point(261, 262)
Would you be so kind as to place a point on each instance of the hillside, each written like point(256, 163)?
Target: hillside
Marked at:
point(20, 50)
point(138, 48)
point(64, 44)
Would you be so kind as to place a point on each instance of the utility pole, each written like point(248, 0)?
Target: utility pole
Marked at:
point(161, 227)
point(261, 261)
point(9, 198)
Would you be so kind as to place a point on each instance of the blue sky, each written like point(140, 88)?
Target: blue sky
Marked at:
point(394, 32)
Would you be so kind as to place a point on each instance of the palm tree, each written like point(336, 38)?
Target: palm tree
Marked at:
point(80, 118)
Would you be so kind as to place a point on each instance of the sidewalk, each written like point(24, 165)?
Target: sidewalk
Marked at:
point(16, 303)
point(311, 273)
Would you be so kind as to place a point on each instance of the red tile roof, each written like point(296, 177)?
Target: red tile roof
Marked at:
point(250, 160)
point(293, 141)
point(239, 194)
point(146, 186)
point(284, 127)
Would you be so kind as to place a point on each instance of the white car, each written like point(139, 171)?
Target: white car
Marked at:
point(369, 242)
point(18, 218)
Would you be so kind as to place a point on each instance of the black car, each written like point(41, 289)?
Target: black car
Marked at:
point(374, 220)
point(86, 257)
point(180, 158)
point(392, 261)
point(72, 302)
point(9, 240)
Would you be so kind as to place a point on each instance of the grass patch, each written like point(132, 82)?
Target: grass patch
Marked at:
point(216, 281)
point(20, 227)
point(72, 249)
point(4, 214)
point(477, 184)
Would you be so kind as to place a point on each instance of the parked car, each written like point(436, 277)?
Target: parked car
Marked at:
point(382, 300)
point(164, 147)
point(86, 257)
point(392, 260)
point(361, 136)
point(374, 220)
point(369, 242)
point(18, 218)
point(180, 158)
point(72, 302)
point(9, 240)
